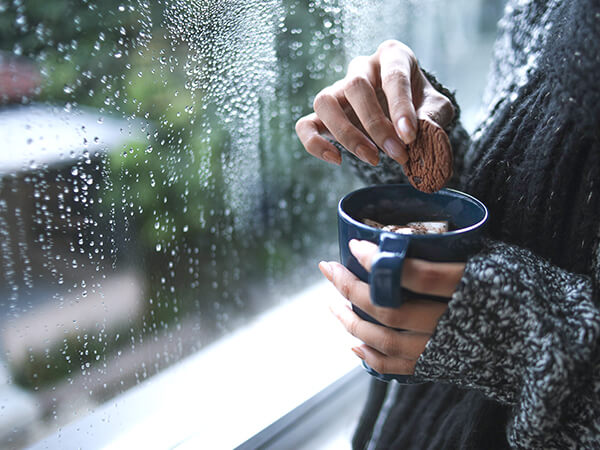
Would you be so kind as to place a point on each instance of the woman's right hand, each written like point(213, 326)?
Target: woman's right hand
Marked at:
point(375, 105)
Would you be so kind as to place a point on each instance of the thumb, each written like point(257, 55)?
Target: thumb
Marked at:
point(437, 108)
point(364, 252)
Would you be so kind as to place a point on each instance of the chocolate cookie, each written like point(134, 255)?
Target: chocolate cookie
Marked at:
point(429, 164)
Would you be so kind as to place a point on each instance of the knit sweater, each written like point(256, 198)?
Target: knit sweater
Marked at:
point(515, 360)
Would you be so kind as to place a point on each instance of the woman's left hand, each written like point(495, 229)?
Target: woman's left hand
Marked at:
point(385, 349)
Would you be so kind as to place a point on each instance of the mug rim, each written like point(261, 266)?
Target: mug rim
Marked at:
point(444, 191)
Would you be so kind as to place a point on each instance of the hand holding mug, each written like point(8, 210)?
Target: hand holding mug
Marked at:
point(399, 284)
point(386, 349)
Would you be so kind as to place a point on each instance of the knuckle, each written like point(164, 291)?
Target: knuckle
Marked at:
point(389, 345)
point(352, 327)
point(425, 276)
point(301, 124)
point(349, 131)
point(358, 62)
point(397, 46)
point(389, 318)
point(312, 143)
point(354, 288)
point(323, 99)
point(412, 58)
point(447, 108)
point(391, 44)
point(349, 288)
point(356, 83)
point(388, 43)
point(399, 105)
point(379, 364)
point(395, 77)
point(373, 125)
point(345, 288)
point(442, 105)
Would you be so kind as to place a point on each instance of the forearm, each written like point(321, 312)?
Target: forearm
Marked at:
point(524, 333)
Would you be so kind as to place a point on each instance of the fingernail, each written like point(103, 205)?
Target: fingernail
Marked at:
point(326, 270)
point(395, 150)
point(358, 352)
point(407, 130)
point(367, 155)
point(332, 157)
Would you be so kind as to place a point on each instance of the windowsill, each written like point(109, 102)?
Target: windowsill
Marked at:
point(228, 392)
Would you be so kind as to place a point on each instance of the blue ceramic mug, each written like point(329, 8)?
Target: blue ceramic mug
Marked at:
point(401, 204)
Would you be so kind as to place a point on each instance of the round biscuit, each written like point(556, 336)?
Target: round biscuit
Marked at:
point(429, 165)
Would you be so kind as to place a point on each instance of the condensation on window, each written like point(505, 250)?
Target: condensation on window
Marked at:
point(153, 195)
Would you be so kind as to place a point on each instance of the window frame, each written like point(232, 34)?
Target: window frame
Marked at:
point(295, 428)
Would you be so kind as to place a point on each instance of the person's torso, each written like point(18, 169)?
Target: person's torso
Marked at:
point(534, 161)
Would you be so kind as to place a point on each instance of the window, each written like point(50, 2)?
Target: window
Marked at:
point(154, 200)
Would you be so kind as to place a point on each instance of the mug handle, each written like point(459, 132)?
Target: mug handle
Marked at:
point(386, 270)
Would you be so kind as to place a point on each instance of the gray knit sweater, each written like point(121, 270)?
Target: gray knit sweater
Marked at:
point(523, 327)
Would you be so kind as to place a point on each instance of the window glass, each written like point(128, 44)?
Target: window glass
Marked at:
point(153, 195)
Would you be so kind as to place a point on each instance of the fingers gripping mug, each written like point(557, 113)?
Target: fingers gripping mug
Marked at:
point(401, 204)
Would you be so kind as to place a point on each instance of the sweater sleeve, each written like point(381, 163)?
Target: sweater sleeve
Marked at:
point(389, 171)
point(524, 333)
